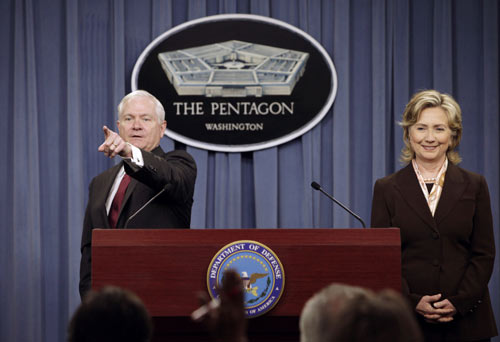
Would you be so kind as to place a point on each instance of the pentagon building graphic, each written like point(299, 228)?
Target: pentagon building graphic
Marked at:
point(234, 69)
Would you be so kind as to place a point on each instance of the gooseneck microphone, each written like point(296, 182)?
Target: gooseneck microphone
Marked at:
point(316, 186)
point(144, 206)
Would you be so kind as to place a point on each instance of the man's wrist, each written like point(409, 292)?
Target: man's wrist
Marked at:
point(127, 151)
point(136, 155)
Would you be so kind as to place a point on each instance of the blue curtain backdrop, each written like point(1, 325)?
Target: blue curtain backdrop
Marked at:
point(65, 64)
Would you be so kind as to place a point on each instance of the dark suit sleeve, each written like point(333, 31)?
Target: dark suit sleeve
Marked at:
point(381, 218)
point(482, 255)
point(175, 170)
point(85, 249)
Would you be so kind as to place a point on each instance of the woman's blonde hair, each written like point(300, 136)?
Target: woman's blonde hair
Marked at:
point(429, 99)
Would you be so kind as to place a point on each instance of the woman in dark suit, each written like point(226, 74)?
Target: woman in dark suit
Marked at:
point(444, 215)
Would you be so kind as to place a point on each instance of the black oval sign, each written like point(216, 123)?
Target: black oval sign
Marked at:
point(237, 82)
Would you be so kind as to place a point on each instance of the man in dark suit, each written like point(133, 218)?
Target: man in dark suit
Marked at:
point(145, 170)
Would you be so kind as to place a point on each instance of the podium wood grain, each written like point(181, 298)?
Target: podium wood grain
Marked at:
point(166, 268)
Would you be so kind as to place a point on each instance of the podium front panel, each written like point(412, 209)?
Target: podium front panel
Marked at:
point(166, 268)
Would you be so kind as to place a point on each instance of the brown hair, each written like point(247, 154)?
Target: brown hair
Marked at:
point(109, 315)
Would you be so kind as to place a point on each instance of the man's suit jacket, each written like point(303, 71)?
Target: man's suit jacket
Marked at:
point(176, 171)
point(451, 253)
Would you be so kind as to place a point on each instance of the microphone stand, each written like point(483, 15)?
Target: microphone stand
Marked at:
point(316, 186)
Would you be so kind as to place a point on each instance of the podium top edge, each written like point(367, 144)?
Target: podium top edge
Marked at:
point(280, 236)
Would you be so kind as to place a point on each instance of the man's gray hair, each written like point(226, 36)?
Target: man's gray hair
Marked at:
point(318, 317)
point(160, 111)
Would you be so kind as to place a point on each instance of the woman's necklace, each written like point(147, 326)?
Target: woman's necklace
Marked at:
point(433, 178)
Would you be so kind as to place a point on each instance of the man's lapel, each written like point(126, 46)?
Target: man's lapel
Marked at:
point(130, 189)
point(105, 186)
point(128, 193)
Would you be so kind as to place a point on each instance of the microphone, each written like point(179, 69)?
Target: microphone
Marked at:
point(144, 206)
point(316, 186)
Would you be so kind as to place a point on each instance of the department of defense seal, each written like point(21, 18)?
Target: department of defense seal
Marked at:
point(260, 269)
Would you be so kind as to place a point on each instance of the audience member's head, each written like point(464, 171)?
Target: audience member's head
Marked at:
point(318, 317)
point(111, 314)
point(349, 313)
point(380, 317)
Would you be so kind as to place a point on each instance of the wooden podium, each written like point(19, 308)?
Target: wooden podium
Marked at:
point(166, 268)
